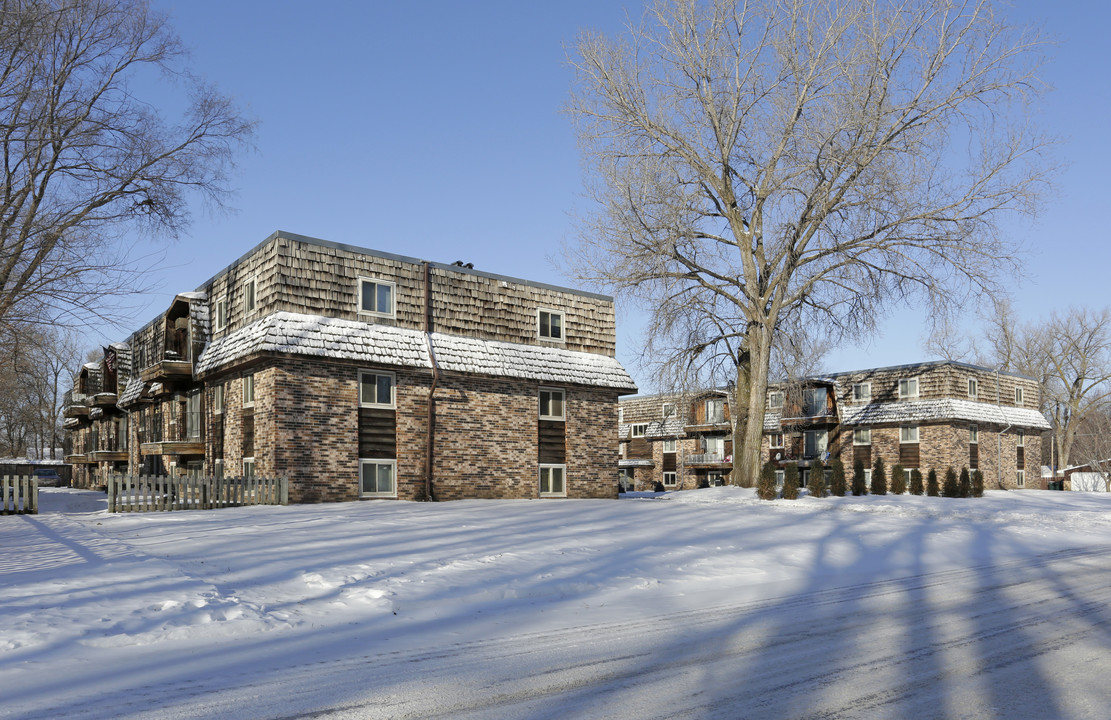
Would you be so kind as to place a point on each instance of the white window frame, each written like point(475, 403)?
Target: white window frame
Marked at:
point(563, 478)
point(540, 328)
point(218, 467)
point(906, 382)
point(815, 401)
point(773, 442)
point(218, 399)
point(868, 478)
point(562, 404)
point(248, 467)
point(393, 477)
point(779, 476)
point(719, 402)
point(249, 390)
point(671, 478)
point(359, 287)
point(671, 445)
point(638, 430)
point(1020, 478)
point(1018, 396)
point(664, 410)
point(974, 388)
point(250, 296)
point(620, 415)
point(775, 400)
point(908, 435)
point(973, 434)
point(392, 404)
point(1020, 438)
point(862, 436)
point(862, 392)
point(220, 315)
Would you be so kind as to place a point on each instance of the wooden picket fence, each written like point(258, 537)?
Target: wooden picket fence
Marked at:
point(20, 495)
point(150, 493)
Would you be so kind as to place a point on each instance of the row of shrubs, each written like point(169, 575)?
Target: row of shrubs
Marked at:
point(966, 484)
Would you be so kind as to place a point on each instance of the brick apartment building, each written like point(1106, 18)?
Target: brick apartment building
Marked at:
point(361, 374)
point(928, 416)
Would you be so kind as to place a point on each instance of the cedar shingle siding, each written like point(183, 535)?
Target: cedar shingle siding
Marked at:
point(471, 334)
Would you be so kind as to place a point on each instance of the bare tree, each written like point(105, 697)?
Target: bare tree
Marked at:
point(766, 165)
point(85, 159)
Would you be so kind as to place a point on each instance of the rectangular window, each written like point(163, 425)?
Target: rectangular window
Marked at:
point(908, 434)
point(1020, 438)
point(775, 400)
point(814, 442)
point(248, 390)
point(973, 434)
point(868, 477)
point(552, 481)
point(670, 445)
point(1020, 480)
point(907, 472)
point(862, 392)
point(908, 388)
point(218, 399)
point(549, 325)
point(248, 467)
point(620, 415)
point(551, 404)
point(1018, 396)
point(714, 445)
point(775, 440)
point(376, 389)
point(220, 316)
point(249, 299)
point(814, 402)
point(973, 388)
point(862, 436)
point(715, 411)
point(638, 430)
point(218, 467)
point(779, 479)
point(668, 410)
point(193, 417)
point(671, 479)
point(377, 478)
point(376, 297)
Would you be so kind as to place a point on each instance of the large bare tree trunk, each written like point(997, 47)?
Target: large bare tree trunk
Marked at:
point(751, 394)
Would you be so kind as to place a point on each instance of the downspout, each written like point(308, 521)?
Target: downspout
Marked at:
point(430, 431)
point(999, 437)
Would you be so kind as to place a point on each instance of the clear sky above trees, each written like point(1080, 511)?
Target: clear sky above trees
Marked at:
point(434, 129)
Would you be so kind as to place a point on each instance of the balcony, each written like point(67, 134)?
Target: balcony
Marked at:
point(709, 460)
point(109, 456)
point(169, 368)
point(74, 405)
point(178, 441)
point(83, 459)
point(104, 399)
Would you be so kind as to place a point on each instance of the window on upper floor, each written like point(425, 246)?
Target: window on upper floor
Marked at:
point(620, 415)
point(637, 430)
point(250, 291)
point(248, 390)
point(670, 445)
point(715, 410)
point(377, 389)
point(668, 410)
point(814, 443)
point(973, 388)
point(218, 399)
point(551, 404)
point(908, 388)
point(1020, 438)
point(814, 402)
point(1018, 396)
point(973, 434)
point(549, 325)
point(862, 392)
point(376, 297)
point(775, 400)
point(775, 440)
point(862, 436)
point(220, 315)
point(908, 434)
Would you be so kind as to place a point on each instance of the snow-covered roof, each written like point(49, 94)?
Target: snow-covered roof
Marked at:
point(318, 336)
point(634, 463)
point(943, 409)
point(132, 392)
point(772, 420)
point(91, 366)
point(667, 428)
point(70, 423)
point(96, 413)
point(195, 295)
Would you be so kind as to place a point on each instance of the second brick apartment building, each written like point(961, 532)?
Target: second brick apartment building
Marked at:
point(361, 374)
point(931, 415)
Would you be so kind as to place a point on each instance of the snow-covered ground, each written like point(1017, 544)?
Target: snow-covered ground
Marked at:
point(704, 603)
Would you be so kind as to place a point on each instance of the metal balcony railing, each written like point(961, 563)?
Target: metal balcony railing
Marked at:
point(706, 458)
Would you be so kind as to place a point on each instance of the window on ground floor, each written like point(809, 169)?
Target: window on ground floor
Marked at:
point(248, 467)
point(1021, 478)
point(671, 479)
point(377, 478)
point(775, 441)
point(552, 482)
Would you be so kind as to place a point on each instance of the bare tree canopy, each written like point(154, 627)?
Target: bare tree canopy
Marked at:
point(84, 158)
point(775, 166)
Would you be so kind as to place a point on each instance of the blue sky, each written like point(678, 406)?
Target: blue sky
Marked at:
point(434, 129)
